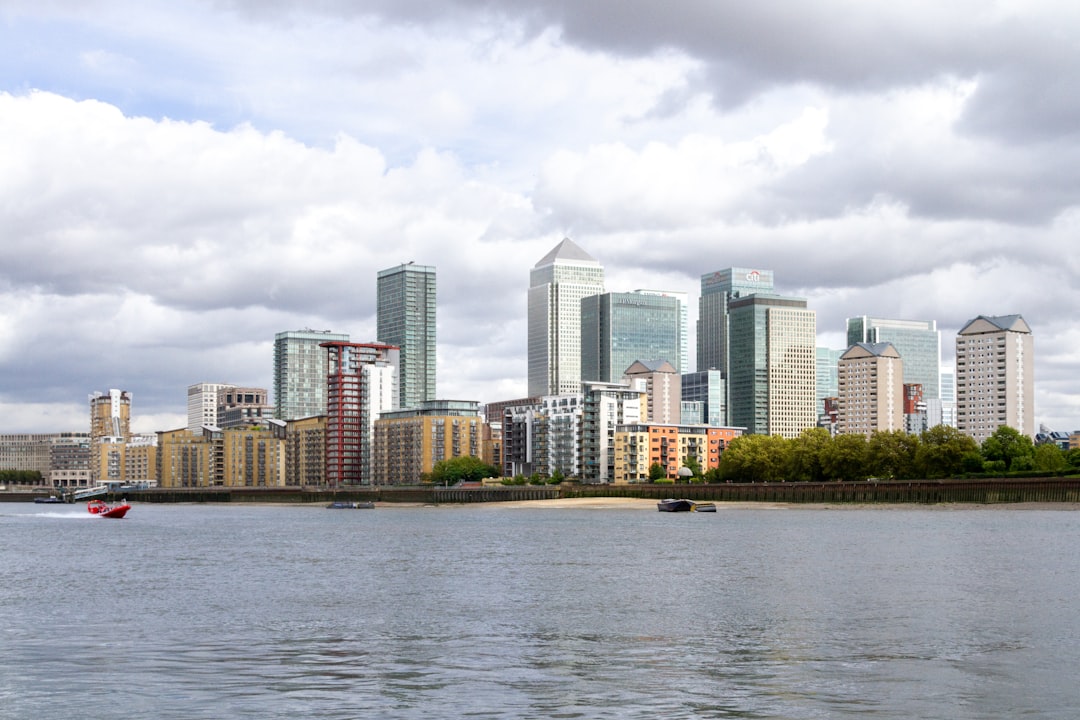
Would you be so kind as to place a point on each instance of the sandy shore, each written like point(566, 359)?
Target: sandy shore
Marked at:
point(650, 505)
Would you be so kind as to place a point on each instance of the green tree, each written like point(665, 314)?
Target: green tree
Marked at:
point(804, 455)
point(941, 451)
point(1073, 458)
point(657, 472)
point(845, 458)
point(556, 477)
point(461, 469)
point(891, 454)
point(1049, 458)
point(694, 465)
point(1008, 444)
point(755, 458)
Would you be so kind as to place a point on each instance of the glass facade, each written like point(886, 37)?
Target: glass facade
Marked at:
point(557, 285)
point(772, 385)
point(917, 341)
point(300, 372)
point(618, 329)
point(707, 388)
point(406, 318)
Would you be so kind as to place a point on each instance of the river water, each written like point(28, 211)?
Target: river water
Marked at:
point(498, 611)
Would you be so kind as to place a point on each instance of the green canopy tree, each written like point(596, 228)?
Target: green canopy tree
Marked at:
point(657, 472)
point(941, 451)
point(461, 469)
point(891, 454)
point(1009, 445)
point(755, 458)
point(1049, 458)
point(804, 454)
point(845, 458)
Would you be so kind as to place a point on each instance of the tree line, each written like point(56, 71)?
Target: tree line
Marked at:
point(939, 452)
point(818, 456)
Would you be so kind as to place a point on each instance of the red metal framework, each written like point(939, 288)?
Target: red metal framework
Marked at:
point(348, 407)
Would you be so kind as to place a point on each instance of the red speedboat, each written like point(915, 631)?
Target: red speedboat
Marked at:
point(99, 508)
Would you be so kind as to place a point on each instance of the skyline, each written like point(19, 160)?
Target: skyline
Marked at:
point(182, 183)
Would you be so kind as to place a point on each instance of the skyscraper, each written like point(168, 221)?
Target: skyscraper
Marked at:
point(717, 290)
point(772, 382)
point(405, 309)
point(995, 376)
point(917, 341)
point(557, 285)
point(300, 372)
point(682, 363)
point(618, 329)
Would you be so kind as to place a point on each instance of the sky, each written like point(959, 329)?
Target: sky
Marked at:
point(181, 181)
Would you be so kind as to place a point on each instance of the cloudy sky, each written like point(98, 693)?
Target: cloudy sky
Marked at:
point(180, 181)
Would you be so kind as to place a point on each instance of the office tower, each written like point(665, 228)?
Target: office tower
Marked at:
point(995, 376)
point(717, 290)
point(707, 388)
point(557, 285)
point(202, 405)
point(870, 389)
point(947, 410)
point(771, 388)
point(917, 341)
point(682, 363)
point(663, 390)
point(827, 378)
point(300, 372)
point(360, 386)
point(110, 430)
point(405, 309)
point(618, 329)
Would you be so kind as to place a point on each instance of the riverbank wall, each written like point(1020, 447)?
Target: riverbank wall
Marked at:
point(983, 491)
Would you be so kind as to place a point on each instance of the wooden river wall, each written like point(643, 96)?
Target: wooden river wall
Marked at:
point(982, 491)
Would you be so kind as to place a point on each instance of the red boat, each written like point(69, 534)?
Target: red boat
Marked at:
point(99, 508)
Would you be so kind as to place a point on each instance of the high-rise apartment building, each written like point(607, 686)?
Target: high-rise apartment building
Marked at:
point(606, 406)
point(618, 329)
point(110, 431)
point(717, 290)
point(995, 376)
point(406, 309)
point(300, 372)
point(663, 390)
point(557, 285)
point(202, 405)
point(917, 341)
point(870, 389)
point(409, 442)
point(361, 385)
point(772, 381)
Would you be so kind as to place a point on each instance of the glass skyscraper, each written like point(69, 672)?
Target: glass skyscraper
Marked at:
point(917, 341)
point(406, 318)
point(618, 329)
point(557, 285)
point(717, 290)
point(300, 372)
point(773, 381)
